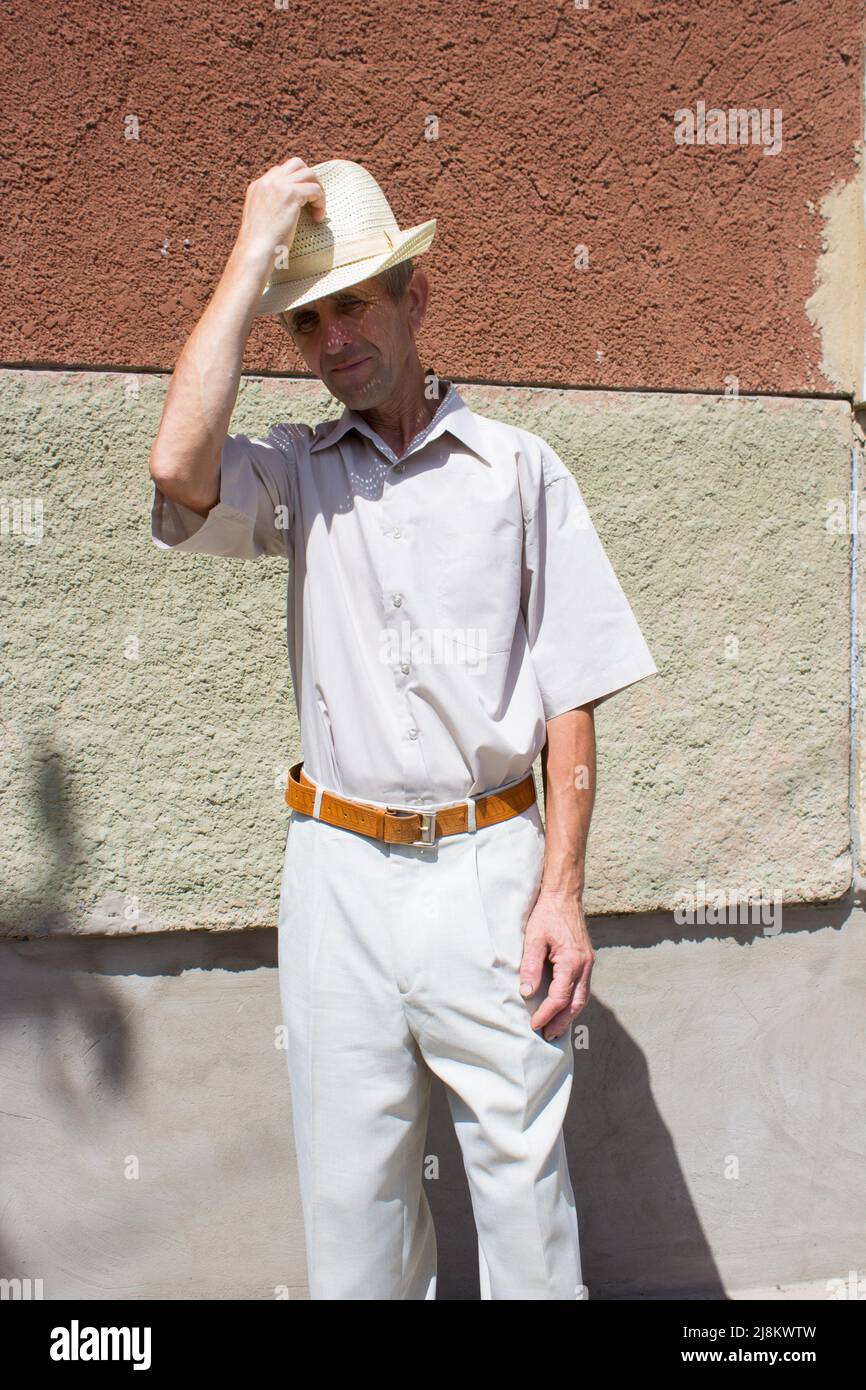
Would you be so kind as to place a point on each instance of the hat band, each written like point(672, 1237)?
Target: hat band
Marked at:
point(343, 252)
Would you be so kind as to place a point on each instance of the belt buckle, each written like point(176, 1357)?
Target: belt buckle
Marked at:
point(428, 825)
point(428, 828)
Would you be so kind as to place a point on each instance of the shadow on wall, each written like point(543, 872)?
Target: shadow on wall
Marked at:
point(640, 1236)
point(640, 1233)
point(70, 1051)
point(65, 998)
point(36, 911)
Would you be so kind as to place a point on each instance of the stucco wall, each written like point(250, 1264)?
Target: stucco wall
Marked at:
point(530, 131)
point(149, 730)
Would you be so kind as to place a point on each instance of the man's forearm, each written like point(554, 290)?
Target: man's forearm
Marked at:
point(568, 772)
point(185, 457)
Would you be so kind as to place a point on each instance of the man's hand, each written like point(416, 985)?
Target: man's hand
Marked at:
point(557, 928)
point(272, 207)
point(185, 457)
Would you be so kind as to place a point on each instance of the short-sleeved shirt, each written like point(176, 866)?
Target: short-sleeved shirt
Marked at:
point(441, 607)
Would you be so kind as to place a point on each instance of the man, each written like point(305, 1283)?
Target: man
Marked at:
point(451, 615)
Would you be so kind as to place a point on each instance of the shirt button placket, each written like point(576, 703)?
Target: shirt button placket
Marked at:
point(394, 598)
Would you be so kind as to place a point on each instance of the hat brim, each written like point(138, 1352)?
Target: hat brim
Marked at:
point(291, 294)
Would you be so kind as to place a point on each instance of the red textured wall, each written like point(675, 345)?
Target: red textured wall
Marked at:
point(555, 128)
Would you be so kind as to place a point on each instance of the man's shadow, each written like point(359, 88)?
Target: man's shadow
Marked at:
point(640, 1236)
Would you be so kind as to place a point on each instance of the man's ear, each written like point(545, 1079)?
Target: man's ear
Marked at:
point(418, 291)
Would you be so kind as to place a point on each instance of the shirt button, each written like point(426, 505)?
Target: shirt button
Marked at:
point(405, 667)
point(397, 599)
point(396, 533)
point(413, 733)
point(399, 467)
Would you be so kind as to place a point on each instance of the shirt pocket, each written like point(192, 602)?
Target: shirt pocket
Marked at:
point(477, 583)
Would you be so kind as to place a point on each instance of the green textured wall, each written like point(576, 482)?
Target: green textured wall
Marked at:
point(148, 720)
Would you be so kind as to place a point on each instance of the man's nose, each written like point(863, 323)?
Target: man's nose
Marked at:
point(335, 336)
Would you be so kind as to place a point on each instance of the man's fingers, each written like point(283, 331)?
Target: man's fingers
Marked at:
point(569, 990)
point(312, 186)
point(316, 198)
point(534, 956)
point(566, 1016)
point(557, 1024)
point(553, 1005)
point(561, 990)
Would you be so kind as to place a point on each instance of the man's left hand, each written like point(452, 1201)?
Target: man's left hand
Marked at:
point(557, 928)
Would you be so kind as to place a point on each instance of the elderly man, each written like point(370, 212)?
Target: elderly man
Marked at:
point(451, 615)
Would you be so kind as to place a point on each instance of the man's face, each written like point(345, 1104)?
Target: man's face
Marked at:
point(361, 325)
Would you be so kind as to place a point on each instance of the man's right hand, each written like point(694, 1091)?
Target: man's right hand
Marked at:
point(185, 459)
point(272, 206)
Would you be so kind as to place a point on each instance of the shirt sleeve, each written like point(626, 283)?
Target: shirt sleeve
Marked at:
point(584, 639)
point(256, 503)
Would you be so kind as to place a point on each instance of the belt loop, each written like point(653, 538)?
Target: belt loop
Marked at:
point(318, 803)
point(470, 811)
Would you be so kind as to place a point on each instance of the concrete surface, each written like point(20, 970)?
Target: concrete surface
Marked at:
point(714, 1133)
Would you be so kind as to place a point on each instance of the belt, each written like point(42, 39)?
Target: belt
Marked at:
point(399, 827)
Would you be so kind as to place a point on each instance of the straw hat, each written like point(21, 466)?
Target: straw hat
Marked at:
point(358, 237)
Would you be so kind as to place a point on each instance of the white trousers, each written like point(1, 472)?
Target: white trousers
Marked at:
point(395, 963)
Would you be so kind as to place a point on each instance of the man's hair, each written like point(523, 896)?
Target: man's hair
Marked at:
point(394, 281)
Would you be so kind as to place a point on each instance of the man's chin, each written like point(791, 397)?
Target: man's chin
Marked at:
point(353, 386)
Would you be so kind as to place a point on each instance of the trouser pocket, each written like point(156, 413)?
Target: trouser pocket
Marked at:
point(509, 859)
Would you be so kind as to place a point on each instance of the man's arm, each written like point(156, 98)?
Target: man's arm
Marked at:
point(185, 457)
point(585, 646)
point(568, 774)
point(557, 926)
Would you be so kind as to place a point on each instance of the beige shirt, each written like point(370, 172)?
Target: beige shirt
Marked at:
point(441, 606)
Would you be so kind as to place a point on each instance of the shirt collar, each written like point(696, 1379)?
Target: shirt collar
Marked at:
point(452, 415)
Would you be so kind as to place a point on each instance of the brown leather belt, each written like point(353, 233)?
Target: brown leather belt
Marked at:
point(400, 827)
